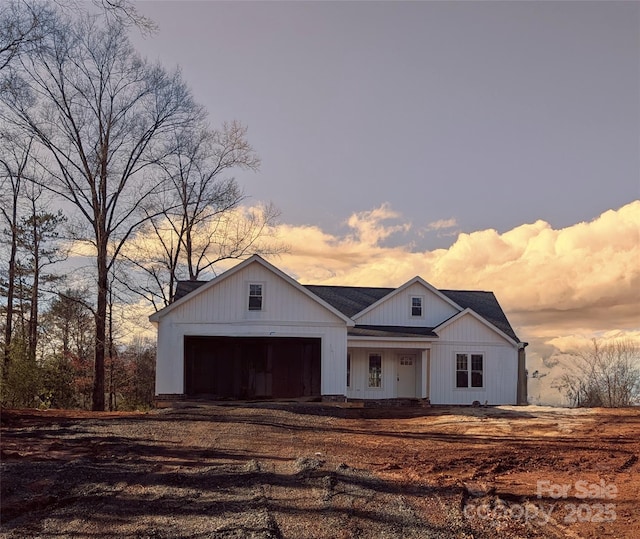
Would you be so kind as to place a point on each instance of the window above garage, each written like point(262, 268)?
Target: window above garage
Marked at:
point(416, 306)
point(256, 296)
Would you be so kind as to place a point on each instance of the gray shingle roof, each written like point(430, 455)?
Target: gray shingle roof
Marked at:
point(350, 300)
point(486, 305)
point(185, 287)
point(390, 331)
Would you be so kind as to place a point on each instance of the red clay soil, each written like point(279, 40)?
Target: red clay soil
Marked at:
point(295, 470)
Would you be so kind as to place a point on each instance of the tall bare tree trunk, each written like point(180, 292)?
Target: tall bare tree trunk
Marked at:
point(101, 327)
point(32, 337)
point(112, 355)
point(115, 114)
point(11, 286)
point(14, 172)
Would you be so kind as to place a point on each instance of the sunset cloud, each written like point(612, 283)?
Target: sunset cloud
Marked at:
point(442, 224)
point(580, 280)
point(369, 226)
point(559, 287)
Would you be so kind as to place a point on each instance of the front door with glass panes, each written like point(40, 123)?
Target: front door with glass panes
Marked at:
point(406, 375)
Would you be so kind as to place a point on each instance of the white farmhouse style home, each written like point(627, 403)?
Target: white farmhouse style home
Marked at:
point(254, 332)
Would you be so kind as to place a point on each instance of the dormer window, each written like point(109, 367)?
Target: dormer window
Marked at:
point(255, 297)
point(416, 306)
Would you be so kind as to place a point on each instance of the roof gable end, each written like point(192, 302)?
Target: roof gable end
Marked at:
point(255, 259)
point(486, 305)
point(401, 289)
point(482, 320)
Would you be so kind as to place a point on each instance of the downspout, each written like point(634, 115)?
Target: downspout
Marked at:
point(522, 397)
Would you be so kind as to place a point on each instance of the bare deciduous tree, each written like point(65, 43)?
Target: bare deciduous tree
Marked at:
point(127, 15)
point(25, 24)
point(199, 219)
point(14, 159)
point(23, 27)
point(605, 374)
point(102, 114)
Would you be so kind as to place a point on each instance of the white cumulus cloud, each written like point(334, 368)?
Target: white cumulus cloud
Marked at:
point(559, 287)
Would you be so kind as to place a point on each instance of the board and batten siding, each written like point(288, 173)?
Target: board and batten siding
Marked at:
point(222, 310)
point(227, 301)
point(500, 369)
point(359, 388)
point(396, 310)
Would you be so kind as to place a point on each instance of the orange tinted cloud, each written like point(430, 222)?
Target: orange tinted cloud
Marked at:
point(551, 282)
point(442, 224)
point(559, 287)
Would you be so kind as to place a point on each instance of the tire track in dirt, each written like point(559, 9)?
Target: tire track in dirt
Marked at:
point(279, 471)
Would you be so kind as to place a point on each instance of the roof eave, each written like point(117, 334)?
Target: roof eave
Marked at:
point(394, 339)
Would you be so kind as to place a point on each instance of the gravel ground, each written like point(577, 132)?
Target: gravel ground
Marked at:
point(308, 470)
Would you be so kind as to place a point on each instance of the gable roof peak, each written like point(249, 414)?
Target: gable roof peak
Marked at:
point(253, 259)
point(410, 282)
point(468, 311)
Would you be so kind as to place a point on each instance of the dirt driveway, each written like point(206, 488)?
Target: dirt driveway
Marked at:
point(310, 470)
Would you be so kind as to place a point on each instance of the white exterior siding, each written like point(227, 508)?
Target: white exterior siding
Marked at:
point(470, 330)
point(222, 310)
point(360, 389)
point(500, 364)
point(169, 360)
point(227, 302)
point(360, 375)
point(396, 311)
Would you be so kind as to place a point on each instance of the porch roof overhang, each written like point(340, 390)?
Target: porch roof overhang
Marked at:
point(400, 337)
point(392, 332)
point(396, 344)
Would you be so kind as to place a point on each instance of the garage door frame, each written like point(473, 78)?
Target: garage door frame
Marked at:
point(252, 367)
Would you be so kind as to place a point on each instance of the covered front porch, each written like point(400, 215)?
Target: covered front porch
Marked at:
point(387, 369)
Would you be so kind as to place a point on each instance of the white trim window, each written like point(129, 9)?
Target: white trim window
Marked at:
point(256, 297)
point(416, 306)
point(348, 370)
point(375, 370)
point(469, 370)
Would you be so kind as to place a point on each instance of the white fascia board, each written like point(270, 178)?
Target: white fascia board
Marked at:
point(381, 342)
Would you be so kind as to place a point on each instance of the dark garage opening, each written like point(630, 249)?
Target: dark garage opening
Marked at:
point(252, 367)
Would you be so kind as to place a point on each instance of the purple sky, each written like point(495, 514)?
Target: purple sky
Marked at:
point(481, 145)
point(491, 113)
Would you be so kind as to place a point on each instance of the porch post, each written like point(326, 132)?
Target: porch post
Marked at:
point(424, 375)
